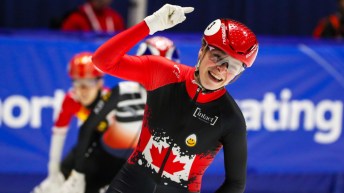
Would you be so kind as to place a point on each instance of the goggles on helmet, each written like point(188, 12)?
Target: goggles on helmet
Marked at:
point(87, 82)
point(220, 58)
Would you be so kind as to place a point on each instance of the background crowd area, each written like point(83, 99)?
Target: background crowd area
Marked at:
point(269, 17)
point(292, 98)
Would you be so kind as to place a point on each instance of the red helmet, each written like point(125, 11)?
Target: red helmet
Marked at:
point(160, 46)
point(81, 66)
point(234, 38)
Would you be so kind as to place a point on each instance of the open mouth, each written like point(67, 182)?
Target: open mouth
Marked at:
point(214, 77)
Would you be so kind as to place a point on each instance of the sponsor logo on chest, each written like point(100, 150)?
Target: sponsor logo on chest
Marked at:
point(204, 117)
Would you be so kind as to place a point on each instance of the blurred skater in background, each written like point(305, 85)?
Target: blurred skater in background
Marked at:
point(87, 90)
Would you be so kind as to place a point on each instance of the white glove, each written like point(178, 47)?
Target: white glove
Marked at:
point(166, 17)
point(74, 184)
point(51, 184)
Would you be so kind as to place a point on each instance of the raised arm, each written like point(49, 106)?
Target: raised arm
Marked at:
point(111, 56)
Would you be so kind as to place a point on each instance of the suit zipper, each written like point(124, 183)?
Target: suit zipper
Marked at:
point(161, 170)
point(164, 161)
point(196, 95)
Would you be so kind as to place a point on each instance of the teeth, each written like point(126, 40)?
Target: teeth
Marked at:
point(217, 78)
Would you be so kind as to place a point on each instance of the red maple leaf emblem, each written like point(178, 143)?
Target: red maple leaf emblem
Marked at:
point(170, 167)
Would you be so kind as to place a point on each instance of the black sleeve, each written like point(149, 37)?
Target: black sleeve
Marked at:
point(90, 130)
point(235, 159)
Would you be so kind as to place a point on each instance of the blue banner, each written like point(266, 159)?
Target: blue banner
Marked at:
point(292, 100)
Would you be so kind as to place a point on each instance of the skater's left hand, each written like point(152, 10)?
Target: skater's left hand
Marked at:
point(51, 184)
point(74, 184)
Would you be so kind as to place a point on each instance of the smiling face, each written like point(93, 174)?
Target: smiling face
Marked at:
point(191, 140)
point(216, 68)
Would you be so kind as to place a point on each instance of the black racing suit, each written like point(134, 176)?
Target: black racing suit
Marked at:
point(183, 129)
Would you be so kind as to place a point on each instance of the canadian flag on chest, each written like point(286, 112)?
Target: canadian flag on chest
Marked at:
point(177, 167)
